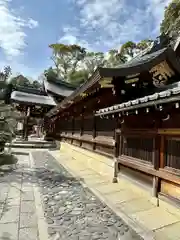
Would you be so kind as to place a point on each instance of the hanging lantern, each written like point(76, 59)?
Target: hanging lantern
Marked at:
point(147, 110)
point(160, 108)
point(136, 111)
point(127, 114)
point(177, 105)
point(119, 114)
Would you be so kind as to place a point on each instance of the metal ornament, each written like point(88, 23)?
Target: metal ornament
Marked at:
point(177, 105)
point(161, 73)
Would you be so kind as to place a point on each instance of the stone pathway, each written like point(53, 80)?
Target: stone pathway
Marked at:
point(18, 220)
point(71, 211)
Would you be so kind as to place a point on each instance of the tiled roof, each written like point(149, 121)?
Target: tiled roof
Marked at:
point(60, 90)
point(140, 102)
point(32, 98)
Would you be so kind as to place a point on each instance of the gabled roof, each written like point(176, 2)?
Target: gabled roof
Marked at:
point(30, 90)
point(28, 98)
point(60, 82)
point(136, 65)
point(56, 89)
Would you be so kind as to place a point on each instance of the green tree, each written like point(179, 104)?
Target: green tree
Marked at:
point(128, 49)
point(4, 75)
point(92, 60)
point(115, 58)
point(171, 21)
point(20, 80)
point(36, 84)
point(66, 58)
point(142, 45)
point(51, 73)
point(78, 77)
point(131, 49)
point(7, 72)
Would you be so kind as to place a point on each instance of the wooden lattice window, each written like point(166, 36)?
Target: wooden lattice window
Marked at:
point(88, 125)
point(138, 147)
point(105, 127)
point(77, 125)
point(172, 153)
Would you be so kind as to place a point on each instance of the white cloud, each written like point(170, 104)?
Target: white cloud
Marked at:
point(71, 35)
point(111, 23)
point(12, 35)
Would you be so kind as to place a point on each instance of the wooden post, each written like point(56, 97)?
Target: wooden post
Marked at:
point(155, 161)
point(162, 141)
point(26, 124)
point(116, 154)
point(81, 127)
point(94, 131)
point(72, 129)
point(24, 128)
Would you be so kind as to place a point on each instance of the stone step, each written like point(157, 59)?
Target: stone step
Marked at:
point(45, 145)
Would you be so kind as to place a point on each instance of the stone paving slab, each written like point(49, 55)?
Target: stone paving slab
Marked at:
point(9, 231)
point(10, 214)
point(71, 210)
point(28, 220)
point(28, 207)
point(170, 232)
point(18, 219)
point(155, 218)
point(27, 196)
point(28, 234)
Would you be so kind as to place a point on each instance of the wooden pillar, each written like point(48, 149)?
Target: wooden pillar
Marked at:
point(116, 150)
point(81, 127)
point(94, 131)
point(72, 129)
point(26, 124)
point(156, 163)
point(24, 128)
point(162, 149)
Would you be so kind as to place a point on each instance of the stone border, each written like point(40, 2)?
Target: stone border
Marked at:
point(139, 229)
point(42, 225)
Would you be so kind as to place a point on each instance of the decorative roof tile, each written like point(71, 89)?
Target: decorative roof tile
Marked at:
point(146, 99)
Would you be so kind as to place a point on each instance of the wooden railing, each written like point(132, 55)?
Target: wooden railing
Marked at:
point(153, 152)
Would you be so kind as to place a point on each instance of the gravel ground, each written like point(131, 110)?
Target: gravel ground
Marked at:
point(71, 210)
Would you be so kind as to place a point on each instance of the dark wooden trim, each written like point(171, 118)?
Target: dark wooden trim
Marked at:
point(147, 168)
point(117, 143)
point(162, 149)
point(94, 131)
point(145, 132)
point(161, 173)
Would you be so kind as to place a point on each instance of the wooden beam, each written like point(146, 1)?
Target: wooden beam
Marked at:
point(162, 150)
point(169, 131)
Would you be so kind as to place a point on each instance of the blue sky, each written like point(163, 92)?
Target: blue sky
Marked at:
point(27, 27)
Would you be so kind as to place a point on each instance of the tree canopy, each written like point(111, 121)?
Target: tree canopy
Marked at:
point(66, 58)
point(22, 81)
point(130, 49)
point(74, 64)
point(171, 21)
